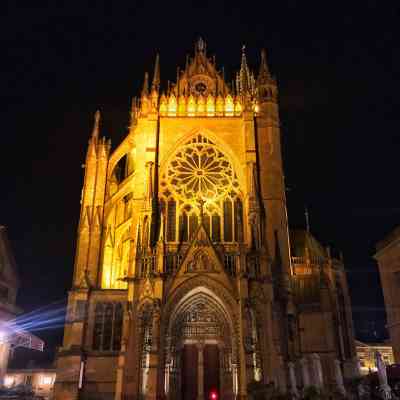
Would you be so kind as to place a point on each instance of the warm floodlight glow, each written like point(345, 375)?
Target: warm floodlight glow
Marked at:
point(220, 105)
point(238, 108)
point(229, 106)
point(201, 106)
point(210, 106)
point(191, 109)
point(172, 106)
point(46, 380)
point(182, 105)
point(9, 381)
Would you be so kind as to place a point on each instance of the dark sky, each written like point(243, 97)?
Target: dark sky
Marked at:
point(336, 64)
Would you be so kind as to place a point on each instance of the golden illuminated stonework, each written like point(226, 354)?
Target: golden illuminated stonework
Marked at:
point(183, 282)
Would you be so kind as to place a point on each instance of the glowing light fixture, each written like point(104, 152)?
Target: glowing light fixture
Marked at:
point(47, 380)
point(172, 106)
point(213, 395)
point(9, 381)
point(210, 106)
point(229, 106)
point(191, 109)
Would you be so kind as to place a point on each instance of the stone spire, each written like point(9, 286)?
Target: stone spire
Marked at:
point(156, 77)
point(92, 148)
point(307, 217)
point(200, 46)
point(145, 90)
point(95, 131)
point(244, 73)
point(263, 73)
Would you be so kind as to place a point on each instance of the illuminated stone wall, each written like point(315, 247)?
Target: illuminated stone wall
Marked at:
point(184, 228)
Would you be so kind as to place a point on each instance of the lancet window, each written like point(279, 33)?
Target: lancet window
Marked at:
point(200, 182)
point(107, 331)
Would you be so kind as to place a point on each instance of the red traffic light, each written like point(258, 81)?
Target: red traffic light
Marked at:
point(213, 395)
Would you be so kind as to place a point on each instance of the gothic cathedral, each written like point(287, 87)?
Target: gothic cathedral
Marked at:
point(188, 283)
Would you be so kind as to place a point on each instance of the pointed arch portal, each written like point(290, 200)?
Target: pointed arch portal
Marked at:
point(200, 348)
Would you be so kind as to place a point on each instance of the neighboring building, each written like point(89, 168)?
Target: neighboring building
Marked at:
point(9, 283)
point(366, 355)
point(388, 258)
point(184, 280)
point(41, 380)
point(11, 336)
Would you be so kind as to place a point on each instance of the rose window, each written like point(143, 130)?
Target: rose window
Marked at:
point(200, 171)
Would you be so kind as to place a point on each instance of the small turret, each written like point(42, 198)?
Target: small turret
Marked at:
point(95, 132)
point(266, 85)
point(200, 46)
point(155, 86)
point(263, 73)
point(92, 148)
point(145, 95)
point(145, 90)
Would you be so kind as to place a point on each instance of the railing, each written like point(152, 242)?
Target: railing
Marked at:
point(313, 260)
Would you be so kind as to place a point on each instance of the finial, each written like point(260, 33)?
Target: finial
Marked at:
point(244, 73)
point(145, 90)
point(95, 132)
point(307, 219)
point(201, 45)
point(156, 77)
point(133, 111)
point(263, 73)
point(328, 251)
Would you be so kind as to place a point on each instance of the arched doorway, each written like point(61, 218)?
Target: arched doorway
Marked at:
point(200, 348)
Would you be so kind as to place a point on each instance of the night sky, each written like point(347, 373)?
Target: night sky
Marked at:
point(336, 64)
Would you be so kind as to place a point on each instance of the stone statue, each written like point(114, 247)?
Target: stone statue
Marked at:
point(385, 390)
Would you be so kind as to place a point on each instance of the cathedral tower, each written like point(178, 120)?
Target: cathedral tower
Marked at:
point(183, 278)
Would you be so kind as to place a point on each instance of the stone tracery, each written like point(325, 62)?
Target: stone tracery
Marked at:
point(199, 170)
point(200, 180)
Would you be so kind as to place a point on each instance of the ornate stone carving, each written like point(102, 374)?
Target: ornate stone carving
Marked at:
point(200, 170)
point(200, 262)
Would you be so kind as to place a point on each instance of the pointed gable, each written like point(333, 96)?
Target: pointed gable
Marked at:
point(201, 258)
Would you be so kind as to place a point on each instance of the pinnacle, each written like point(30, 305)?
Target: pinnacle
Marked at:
point(156, 77)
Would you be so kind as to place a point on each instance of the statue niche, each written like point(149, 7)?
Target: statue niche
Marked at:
point(200, 262)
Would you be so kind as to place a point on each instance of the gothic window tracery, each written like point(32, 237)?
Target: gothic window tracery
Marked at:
point(107, 330)
point(200, 179)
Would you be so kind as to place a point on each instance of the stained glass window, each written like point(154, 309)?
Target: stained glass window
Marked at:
point(171, 222)
point(107, 330)
point(200, 170)
point(192, 225)
point(238, 220)
point(216, 228)
point(228, 220)
point(183, 228)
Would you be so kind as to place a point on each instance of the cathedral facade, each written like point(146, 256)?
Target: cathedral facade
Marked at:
point(187, 282)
